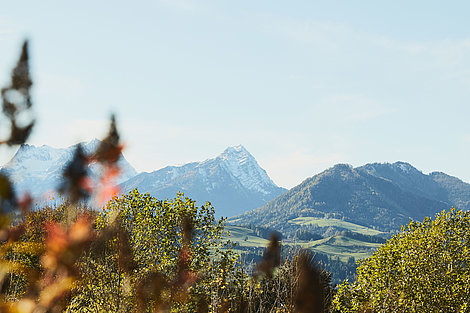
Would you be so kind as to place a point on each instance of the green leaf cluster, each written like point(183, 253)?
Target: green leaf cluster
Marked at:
point(424, 268)
point(155, 239)
point(155, 229)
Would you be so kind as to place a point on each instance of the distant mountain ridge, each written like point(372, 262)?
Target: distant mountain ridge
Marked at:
point(38, 170)
point(378, 195)
point(233, 182)
point(436, 185)
point(382, 196)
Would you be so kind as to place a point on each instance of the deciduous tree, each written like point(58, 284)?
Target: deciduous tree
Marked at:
point(424, 268)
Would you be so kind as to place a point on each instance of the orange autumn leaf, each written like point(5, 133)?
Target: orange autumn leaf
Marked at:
point(108, 188)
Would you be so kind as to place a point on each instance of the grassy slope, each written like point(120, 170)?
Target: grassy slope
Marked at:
point(343, 247)
point(340, 246)
point(239, 234)
point(322, 222)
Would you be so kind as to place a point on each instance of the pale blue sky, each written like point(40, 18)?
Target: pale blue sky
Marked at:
point(303, 85)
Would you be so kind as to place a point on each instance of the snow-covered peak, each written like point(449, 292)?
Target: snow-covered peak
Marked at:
point(236, 162)
point(244, 167)
point(37, 158)
point(232, 181)
point(38, 170)
point(238, 153)
point(91, 146)
point(236, 149)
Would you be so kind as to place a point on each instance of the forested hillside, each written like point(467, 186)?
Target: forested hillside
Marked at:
point(381, 197)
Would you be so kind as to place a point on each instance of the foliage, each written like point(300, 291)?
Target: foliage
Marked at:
point(298, 285)
point(422, 269)
point(303, 234)
point(154, 240)
point(39, 250)
point(155, 228)
point(16, 100)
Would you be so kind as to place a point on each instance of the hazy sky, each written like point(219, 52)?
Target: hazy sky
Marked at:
point(303, 85)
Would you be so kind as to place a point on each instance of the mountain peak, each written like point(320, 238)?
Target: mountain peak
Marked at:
point(233, 182)
point(398, 167)
point(343, 167)
point(237, 155)
point(23, 149)
point(90, 146)
point(236, 150)
point(93, 142)
point(39, 169)
point(25, 146)
point(404, 167)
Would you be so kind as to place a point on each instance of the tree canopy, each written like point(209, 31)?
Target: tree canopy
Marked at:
point(166, 244)
point(424, 268)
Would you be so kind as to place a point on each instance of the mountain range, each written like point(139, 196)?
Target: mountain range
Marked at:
point(38, 170)
point(377, 196)
point(233, 181)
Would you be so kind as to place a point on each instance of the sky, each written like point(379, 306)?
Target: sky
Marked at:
point(303, 85)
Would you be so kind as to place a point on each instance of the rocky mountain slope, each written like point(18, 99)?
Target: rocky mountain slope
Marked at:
point(233, 182)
